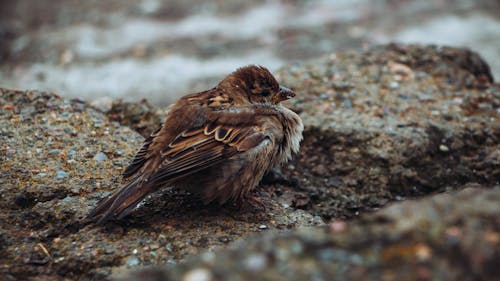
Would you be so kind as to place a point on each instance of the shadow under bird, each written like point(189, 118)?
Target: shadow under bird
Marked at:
point(217, 144)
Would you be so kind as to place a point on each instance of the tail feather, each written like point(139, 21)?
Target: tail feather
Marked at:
point(120, 203)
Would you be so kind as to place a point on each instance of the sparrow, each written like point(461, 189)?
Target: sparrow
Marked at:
point(217, 144)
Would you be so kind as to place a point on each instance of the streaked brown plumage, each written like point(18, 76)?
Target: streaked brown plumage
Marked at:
point(218, 144)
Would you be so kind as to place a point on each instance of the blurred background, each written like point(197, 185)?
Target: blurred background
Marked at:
point(160, 50)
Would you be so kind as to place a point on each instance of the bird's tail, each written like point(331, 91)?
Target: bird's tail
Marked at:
point(122, 202)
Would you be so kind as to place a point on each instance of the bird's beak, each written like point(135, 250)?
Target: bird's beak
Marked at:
point(283, 94)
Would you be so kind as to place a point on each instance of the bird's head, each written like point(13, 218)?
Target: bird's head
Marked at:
point(255, 84)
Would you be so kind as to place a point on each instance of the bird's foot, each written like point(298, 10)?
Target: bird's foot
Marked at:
point(254, 201)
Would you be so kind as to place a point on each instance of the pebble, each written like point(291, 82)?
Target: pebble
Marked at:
point(197, 274)
point(100, 157)
point(296, 247)
point(132, 261)
point(394, 85)
point(255, 262)
point(54, 152)
point(223, 239)
point(109, 251)
point(338, 226)
point(70, 132)
point(346, 103)
point(443, 148)
point(263, 226)
point(61, 174)
point(168, 247)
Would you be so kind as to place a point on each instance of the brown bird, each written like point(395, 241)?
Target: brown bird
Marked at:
point(217, 143)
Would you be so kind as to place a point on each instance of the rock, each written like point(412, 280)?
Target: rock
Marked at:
point(100, 157)
point(142, 117)
point(391, 244)
point(197, 274)
point(366, 144)
point(47, 207)
point(427, 135)
point(61, 174)
point(132, 261)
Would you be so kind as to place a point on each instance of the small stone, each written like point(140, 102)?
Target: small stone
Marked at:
point(60, 174)
point(54, 152)
point(132, 261)
point(423, 252)
point(338, 226)
point(9, 106)
point(317, 220)
point(394, 85)
point(100, 157)
point(263, 226)
point(346, 103)
point(255, 262)
point(208, 257)
point(443, 148)
point(197, 274)
point(168, 247)
point(223, 239)
point(109, 251)
point(70, 132)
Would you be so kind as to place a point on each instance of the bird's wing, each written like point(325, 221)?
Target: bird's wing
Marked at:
point(197, 149)
point(189, 152)
point(223, 135)
point(141, 156)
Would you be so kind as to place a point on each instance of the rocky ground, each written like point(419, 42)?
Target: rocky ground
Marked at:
point(391, 124)
point(426, 239)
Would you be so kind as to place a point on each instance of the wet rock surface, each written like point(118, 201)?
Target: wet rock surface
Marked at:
point(58, 158)
point(395, 122)
point(386, 125)
point(426, 239)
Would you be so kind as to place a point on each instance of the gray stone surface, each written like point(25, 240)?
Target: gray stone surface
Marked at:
point(391, 124)
point(452, 236)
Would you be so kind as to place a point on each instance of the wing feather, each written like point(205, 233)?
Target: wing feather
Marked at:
point(195, 149)
point(199, 149)
point(141, 156)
